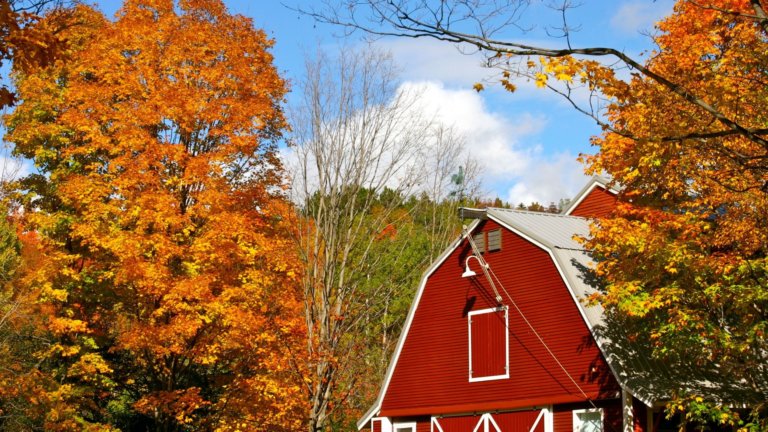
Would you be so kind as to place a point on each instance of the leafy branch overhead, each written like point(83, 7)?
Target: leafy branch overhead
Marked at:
point(478, 24)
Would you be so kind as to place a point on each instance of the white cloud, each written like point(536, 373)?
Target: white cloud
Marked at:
point(492, 139)
point(433, 60)
point(513, 165)
point(636, 16)
point(548, 180)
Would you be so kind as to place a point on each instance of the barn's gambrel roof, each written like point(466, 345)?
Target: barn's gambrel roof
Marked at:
point(556, 234)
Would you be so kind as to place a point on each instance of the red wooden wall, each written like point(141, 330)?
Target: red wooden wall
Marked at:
point(432, 375)
point(519, 421)
point(506, 421)
point(598, 203)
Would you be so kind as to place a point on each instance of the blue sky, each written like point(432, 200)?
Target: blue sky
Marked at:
point(526, 142)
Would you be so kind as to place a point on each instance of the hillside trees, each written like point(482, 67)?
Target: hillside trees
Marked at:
point(168, 281)
point(365, 153)
point(685, 135)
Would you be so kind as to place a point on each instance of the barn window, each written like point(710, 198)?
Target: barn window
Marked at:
point(494, 240)
point(588, 420)
point(404, 427)
point(488, 241)
point(488, 344)
point(381, 424)
point(479, 239)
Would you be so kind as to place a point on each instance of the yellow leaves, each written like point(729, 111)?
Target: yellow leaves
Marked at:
point(560, 68)
point(49, 293)
point(478, 87)
point(60, 326)
point(89, 367)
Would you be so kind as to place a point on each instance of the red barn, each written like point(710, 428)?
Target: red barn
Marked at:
point(510, 346)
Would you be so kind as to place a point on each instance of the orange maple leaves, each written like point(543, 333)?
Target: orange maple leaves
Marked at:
point(172, 279)
point(685, 262)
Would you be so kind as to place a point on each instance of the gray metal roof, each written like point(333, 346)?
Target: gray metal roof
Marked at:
point(552, 229)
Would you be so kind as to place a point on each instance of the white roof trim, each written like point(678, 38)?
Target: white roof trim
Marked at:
point(585, 191)
point(376, 408)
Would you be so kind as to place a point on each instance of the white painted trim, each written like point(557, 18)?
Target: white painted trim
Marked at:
point(577, 421)
point(411, 425)
point(549, 419)
point(434, 423)
point(579, 198)
point(596, 181)
point(489, 421)
point(506, 342)
point(376, 408)
point(486, 420)
point(386, 425)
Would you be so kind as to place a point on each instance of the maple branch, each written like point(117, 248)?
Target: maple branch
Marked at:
point(669, 138)
point(761, 15)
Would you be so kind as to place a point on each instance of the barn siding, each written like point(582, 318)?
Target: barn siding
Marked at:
point(458, 424)
point(598, 203)
point(431, 375)
point(521, 421)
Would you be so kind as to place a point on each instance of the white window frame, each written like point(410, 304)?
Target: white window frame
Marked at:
point(506, 343)
point(386, 425)
point(577, 420)
point(411, 425)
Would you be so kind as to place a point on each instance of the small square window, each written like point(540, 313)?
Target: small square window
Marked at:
point(588, 420)
point(404, 427)
point(479, 240)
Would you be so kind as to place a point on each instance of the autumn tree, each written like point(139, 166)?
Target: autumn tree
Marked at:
point(168, 279)
point(683, 265)
point(27, 40)
point(362, 149)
